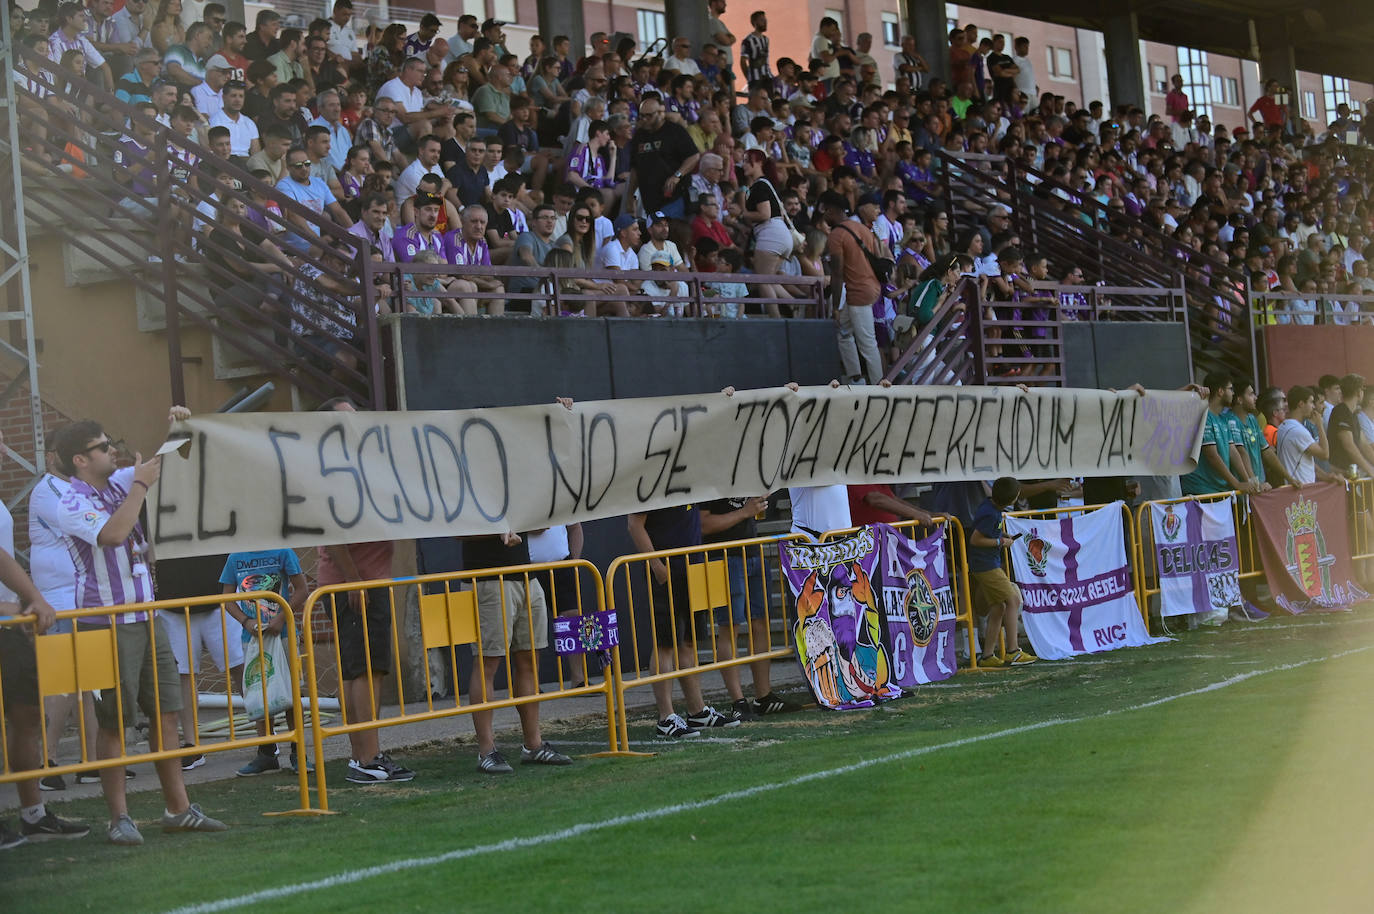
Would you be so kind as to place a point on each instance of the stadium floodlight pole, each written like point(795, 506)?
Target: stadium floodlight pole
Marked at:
point(18, 251)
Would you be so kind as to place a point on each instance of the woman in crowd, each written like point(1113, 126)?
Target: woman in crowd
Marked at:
point(357, 166)
point(773, 240)
point(580, 242)
point(386, 58)
point(546, 89)
point(455, 85)
point(167, 28)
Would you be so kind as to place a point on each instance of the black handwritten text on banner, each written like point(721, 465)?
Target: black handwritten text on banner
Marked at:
point(273, 480)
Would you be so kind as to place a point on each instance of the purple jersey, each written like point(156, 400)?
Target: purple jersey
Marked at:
point(105, 575)
point(410, 241)
point(589, 165)
point(130, 152)
point(463, 254)
point(690, 110)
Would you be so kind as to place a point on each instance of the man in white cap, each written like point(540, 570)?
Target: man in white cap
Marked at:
point(209, 95)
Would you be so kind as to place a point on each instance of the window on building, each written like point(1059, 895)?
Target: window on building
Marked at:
point(1059, 62)
point(503, 10)
point(1159, 78)
point(1197, 79)
point(476, 8)
point(1309, 104)
point(1335, 91)
point(1225, 91)
point(652, 26)
point(892, 30)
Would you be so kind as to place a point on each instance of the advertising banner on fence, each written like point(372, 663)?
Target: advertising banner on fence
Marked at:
point(919, 603)
point(233, 483)
point(1196, 557)
point(1076, 584)
point(1305, 547)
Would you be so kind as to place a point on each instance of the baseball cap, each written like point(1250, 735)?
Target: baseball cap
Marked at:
point(659, 216)
point(218, 62)
point(661, 257)
point(871, 198)
point(624, 221)
point(424, 199)
point(493, 24)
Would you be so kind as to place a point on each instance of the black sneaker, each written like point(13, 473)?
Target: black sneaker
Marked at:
point(674, 727)
point(745, 709)
point(494, 763)
point(772, 703)
point(52, 781)
point(381, 770)
point(190, 762)
point(93, 777)
point(10, 839)
point(50, 827)
point(709, 717)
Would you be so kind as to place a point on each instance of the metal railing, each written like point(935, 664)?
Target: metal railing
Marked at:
point(139, 229)
point(1074, 228)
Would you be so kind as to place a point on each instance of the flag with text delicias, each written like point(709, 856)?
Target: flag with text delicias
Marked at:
point(1196, 557)
point(1076, 584)
point(918, 602)
point(1305, 547)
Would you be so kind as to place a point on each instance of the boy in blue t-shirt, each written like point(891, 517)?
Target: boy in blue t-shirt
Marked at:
point(995, 593)
point(277, 571)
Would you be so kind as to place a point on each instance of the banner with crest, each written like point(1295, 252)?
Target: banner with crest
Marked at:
point(1305, 547)
point(1075, 581)
point(1196, 557)
point(919, 602)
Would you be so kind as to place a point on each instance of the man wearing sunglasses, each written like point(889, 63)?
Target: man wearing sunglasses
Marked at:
point(99, 520)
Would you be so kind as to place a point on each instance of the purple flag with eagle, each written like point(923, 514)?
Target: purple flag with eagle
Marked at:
point(918, 602)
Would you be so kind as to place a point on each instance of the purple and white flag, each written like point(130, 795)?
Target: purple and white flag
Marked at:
point(919, 606)
point(1076, 584)
point(1196, 557)
point(589, 633)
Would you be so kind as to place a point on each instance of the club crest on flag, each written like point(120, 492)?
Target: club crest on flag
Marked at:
point(1308, 561)
point(922, 609)
point(1037, 553)
point(1171, 525)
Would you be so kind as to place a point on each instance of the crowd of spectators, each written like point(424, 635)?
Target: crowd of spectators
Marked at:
point(710, 159)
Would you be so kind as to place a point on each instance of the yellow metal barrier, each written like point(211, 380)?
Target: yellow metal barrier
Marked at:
point(449, 618)
point(89, 660)
point(956, 559)
point(1133, 560)
point(720, 581)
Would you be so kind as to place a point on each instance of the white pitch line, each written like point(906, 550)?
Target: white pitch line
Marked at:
point(396, 866)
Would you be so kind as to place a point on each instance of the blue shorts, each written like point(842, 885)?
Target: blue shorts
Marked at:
point(748, 590)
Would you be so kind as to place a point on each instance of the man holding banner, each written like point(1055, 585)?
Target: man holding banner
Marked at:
point(996, 594)
point(1216, 462)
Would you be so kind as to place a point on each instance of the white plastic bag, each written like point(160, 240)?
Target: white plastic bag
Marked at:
point(269, 665)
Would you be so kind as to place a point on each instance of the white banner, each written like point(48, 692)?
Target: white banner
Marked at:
point(274, 480)
point(1197, 558)
point(1075, 584)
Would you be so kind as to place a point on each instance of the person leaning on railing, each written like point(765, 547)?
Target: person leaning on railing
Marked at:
point(22, 709)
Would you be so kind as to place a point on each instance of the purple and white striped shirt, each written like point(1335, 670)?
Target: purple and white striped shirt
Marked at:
point(105, 575)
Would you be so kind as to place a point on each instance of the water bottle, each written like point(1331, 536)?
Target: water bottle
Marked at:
point(1353, 472)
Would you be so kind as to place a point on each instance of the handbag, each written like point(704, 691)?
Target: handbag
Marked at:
point(881, 266)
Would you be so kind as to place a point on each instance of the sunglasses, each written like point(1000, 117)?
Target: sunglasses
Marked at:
point(302, 164)
point(103, 447)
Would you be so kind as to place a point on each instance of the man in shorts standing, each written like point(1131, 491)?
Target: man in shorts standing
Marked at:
point(512, 617)
point(99, 519)
point(994, 591)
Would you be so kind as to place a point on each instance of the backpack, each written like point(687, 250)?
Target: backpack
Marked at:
point(881, 266)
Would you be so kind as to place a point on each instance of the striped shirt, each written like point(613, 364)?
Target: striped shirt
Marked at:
point(755, 47)
point(105, 575)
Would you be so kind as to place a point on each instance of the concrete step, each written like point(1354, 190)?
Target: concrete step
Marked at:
point(128, 249)
point(151, 306)
point(230, 362)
